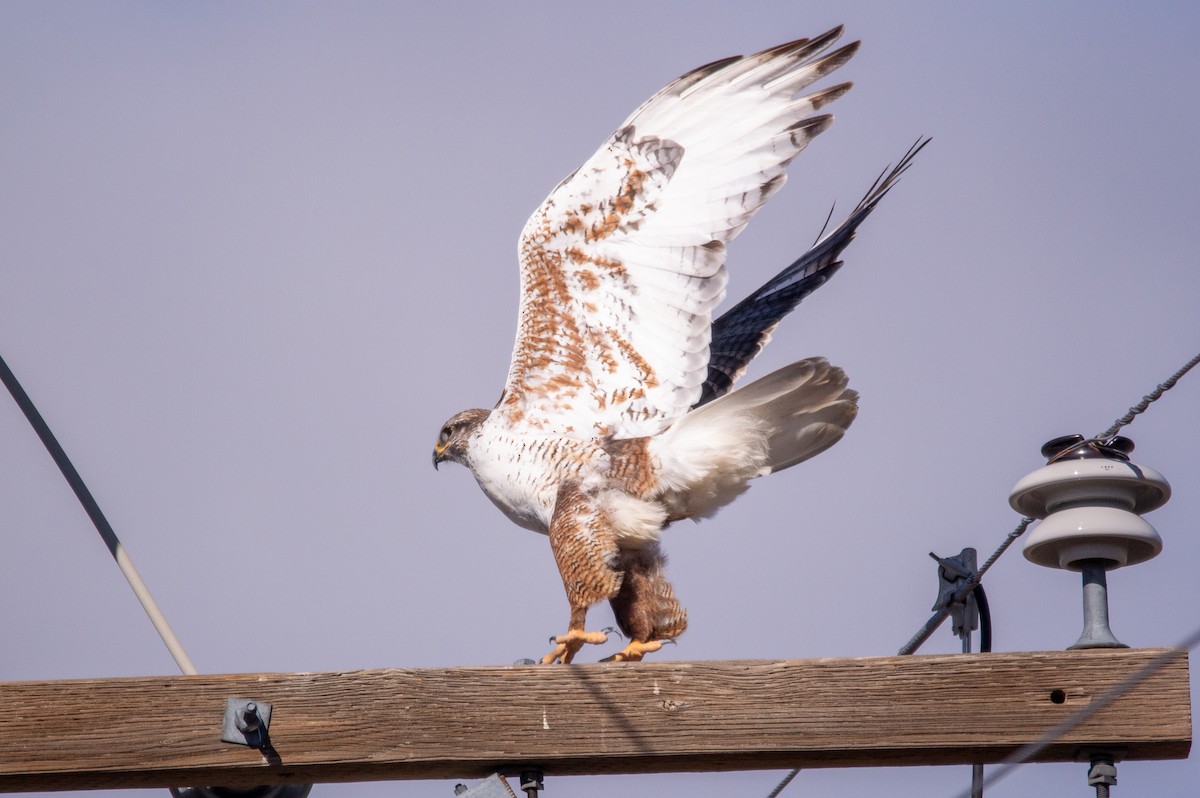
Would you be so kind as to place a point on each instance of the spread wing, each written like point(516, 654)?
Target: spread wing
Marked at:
point(623, 263)
point(742, 332)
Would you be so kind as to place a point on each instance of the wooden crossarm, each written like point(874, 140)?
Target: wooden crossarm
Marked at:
point(612, 718)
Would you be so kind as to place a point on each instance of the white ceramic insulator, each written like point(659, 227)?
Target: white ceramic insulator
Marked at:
point(1070, 536)
point(1093, 481)
point(1091, 507)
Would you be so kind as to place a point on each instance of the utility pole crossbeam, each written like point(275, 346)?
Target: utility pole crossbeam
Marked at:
point(457, 723)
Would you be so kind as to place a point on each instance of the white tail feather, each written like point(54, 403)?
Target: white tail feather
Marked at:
point(708, 456)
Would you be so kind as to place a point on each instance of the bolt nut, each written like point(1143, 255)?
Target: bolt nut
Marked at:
point(1102, 773)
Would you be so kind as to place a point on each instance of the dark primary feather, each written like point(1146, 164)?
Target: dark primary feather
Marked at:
point(740, 334)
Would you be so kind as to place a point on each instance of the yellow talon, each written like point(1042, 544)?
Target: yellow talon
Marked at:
point(635, 651)
point(568, 645)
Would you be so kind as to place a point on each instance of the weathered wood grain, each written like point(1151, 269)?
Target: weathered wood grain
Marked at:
point(618, 718)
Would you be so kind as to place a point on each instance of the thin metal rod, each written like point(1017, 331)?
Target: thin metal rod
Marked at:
point(976, 769)
point(98, 520)
point(784, 783)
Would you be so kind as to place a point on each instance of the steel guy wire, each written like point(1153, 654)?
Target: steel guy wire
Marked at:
point(1153, 396)
point(98, 520)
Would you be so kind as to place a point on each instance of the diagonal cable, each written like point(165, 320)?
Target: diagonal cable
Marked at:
point(1029, 751)
point(98, 520)
point(1153, 396)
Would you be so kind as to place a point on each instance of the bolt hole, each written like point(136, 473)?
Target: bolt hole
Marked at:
point(1058, 697)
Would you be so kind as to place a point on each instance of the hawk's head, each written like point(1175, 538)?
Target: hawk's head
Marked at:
point(454, 439)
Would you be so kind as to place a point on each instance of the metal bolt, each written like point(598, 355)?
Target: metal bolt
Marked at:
point(531, 782)
point(1102, 775)
point(246, 722)
point(249, 721)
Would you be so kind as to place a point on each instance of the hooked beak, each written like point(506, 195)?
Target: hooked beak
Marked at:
point(439, 454)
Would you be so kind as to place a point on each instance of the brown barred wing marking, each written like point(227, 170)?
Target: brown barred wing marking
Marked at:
point(573, 348)
point(623, 264)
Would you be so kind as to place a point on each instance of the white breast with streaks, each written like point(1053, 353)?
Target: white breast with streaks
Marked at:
point(521, 473)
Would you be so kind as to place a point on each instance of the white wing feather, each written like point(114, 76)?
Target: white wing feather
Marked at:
point(624, 262)
point(708, 457)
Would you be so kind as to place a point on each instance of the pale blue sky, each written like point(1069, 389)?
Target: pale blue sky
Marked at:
point(254, 254)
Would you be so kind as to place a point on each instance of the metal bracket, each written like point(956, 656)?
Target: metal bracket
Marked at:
point(494, 786)
point(952, 574)
point(246, 722)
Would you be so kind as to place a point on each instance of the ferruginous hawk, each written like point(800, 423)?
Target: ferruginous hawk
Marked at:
point(616, 418)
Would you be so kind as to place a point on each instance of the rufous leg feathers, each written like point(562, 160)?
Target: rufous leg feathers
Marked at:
point(585, 549)
point(646, 608)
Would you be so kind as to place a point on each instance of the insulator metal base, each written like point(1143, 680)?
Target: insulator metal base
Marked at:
point(1096, 632)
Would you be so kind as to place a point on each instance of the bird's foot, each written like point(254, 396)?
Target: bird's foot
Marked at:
point(636, 650)
point(568, 645)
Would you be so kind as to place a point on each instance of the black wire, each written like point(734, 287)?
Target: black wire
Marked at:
point(985, 619)
point(60, 457)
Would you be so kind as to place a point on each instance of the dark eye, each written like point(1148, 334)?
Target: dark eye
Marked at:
point(444, 438)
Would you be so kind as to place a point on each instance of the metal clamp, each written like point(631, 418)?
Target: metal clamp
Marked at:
point(952, 574)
